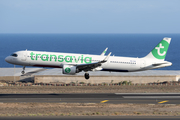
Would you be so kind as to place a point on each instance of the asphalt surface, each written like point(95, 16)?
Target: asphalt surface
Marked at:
point(116, 98)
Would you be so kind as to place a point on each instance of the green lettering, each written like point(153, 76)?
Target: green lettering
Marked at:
point(53, 56)
point(68, 60)
point(76, 60)
point(37, 56)
point(61, 58)
point(46, 57)
point(89, 59)
point(82, 59)
point(32, 55)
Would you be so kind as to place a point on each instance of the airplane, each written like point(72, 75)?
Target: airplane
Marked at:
point(72, 63)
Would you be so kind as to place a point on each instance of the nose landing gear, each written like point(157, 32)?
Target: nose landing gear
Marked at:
point(23, 72)
point(86, 75)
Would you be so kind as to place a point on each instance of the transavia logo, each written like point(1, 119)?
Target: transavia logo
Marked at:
point(61, 58)
point(67, 70)
point(160, 50)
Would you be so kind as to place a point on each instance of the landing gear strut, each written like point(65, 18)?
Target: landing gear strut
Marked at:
point(86, 75)
point(23, 70)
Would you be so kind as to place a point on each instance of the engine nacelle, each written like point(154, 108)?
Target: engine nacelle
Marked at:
point(97, 69)
point(69, 69)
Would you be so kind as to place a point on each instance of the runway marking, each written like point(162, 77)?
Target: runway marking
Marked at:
point(104, 101)
point(163, 101)
point(165, 97)
point(147, 93)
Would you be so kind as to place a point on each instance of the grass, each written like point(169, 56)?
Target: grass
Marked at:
point(97, 113)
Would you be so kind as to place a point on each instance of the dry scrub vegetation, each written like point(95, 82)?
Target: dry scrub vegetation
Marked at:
point(93, 89)
point(85, 109)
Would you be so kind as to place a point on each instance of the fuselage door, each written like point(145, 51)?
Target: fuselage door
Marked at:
point(24, 55)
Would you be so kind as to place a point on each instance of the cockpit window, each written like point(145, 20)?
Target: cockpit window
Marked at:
point(15, 55)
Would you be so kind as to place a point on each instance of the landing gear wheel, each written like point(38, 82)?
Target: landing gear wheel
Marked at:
point(86, 75)
point(23, 70)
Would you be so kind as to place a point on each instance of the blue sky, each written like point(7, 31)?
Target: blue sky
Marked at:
point(89, 16)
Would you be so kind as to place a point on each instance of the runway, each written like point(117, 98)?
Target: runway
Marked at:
point(113, 98)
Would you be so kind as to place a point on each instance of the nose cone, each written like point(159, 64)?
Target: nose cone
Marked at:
point(8, 59)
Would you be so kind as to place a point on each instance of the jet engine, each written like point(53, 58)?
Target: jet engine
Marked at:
point(69, 69)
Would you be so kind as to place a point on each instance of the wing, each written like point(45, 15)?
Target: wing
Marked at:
point(90, 66)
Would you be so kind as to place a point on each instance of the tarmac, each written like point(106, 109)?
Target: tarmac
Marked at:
point(108, 98)
point(16, 71)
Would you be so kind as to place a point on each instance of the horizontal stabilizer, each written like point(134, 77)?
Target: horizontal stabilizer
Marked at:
point(164, 63)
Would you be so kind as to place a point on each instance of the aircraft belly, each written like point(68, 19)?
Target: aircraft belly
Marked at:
point(46, 64)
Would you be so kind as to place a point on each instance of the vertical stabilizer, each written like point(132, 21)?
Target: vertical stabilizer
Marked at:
point(160, 51)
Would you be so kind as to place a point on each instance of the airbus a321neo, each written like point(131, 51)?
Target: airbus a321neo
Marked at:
point(72, 63)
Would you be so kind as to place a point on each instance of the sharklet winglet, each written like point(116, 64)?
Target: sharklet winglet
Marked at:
point(106, 58)
point(104, 52)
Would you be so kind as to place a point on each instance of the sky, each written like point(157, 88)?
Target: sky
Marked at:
point(89, 16)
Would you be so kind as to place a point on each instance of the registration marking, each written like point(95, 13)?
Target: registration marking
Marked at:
point(104, 101)
point(163, 101)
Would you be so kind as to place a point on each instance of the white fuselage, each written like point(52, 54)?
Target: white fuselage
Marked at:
point(55, 59)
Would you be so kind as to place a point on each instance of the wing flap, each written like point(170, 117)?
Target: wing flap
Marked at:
point(90, 66)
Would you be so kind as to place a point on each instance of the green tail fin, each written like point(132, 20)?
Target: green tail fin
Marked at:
point(160, 51)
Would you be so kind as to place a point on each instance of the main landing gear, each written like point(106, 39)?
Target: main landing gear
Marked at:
point(23, 70)
point(86, 75)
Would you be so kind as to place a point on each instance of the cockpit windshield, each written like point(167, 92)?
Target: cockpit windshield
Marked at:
point(14, 55)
